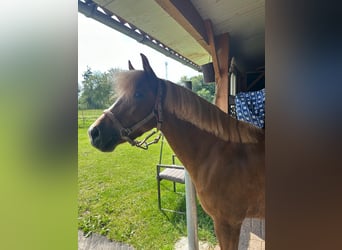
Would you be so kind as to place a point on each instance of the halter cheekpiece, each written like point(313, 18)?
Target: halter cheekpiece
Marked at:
point(156, 112)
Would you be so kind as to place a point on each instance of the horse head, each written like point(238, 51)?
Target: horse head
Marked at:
point(135, 111)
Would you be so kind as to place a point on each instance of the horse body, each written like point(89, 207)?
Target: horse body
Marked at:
point(228, 176)
point(224, 157)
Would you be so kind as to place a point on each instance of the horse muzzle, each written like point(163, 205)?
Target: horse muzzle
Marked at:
point(103, 141)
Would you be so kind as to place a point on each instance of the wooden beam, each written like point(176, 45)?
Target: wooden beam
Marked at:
point(212, 45)
point(219, 50)
point(186, 15)
point(222, 52)
point(222, 83)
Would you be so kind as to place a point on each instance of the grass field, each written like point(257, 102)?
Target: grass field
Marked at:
point(118, 195)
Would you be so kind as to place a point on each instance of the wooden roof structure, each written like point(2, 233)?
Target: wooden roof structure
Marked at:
point(193, 32)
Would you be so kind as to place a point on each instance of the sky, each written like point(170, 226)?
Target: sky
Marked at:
point(102, 48)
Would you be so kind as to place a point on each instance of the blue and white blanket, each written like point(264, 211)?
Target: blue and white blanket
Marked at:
point(250, 107)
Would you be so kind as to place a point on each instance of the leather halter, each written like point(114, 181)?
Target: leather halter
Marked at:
point(155, 113)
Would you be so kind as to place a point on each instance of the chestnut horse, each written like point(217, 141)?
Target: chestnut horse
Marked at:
point(224, 157)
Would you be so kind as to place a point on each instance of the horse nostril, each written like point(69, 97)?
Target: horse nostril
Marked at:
point(94, 133)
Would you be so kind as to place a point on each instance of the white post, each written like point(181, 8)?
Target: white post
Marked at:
point(191, 204)
point(166, 71)
point(232, 88)
point(191, 212)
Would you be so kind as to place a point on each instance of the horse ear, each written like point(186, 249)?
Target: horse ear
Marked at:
point(146, 66)
point(130, 66)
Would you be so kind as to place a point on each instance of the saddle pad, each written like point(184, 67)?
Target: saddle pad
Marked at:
point(250, 107)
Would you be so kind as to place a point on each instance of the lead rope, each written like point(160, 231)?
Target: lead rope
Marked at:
point(144, 144)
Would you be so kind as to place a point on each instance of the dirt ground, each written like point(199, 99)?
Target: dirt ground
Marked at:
point(98, 242)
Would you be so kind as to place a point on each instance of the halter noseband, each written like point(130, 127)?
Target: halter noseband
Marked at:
point(126, 132)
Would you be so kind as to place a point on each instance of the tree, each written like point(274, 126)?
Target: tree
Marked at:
point(206, 91)
point(97, 90)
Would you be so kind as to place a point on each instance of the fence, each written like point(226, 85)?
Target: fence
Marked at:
point(87, 117)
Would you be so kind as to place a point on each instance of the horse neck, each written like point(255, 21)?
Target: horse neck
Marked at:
point(187, 106)
point(186, 141)
point(189, 140)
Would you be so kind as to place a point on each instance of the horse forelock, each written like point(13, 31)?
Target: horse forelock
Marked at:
point(208, 117)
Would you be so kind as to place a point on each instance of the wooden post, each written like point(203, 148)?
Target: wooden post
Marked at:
point(219, 46)
point(222, 83)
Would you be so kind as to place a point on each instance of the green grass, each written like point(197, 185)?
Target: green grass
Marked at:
point(87, 117)
point(118, 195)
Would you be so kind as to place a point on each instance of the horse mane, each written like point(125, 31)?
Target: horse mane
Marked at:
point(208, 117)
